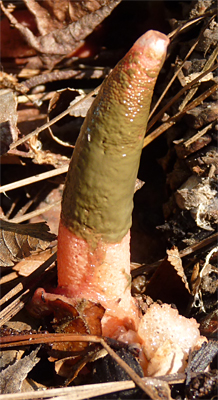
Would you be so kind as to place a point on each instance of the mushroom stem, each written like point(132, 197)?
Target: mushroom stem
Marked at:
point(93, 240)
point(101, 275)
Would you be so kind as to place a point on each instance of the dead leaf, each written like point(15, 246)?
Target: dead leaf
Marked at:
point(209, 279)
point(84, 317)
point(209, 324)
point(77, 9)
point(11, 328)
point(65, 131)
point(12, 377)
point(195, 279)
point(175, 260)
point(169, 283)
point(44, 14)
point(58, 43)
point(8, 357)
point(29, 264)
point(8, 119)
point(19, 241)
point(199, 195)
point(82, 109)
point(10, 82)
point(202, 115)
point(54, 14)
point(70, 316)
point(79, 317)
point(183, 150)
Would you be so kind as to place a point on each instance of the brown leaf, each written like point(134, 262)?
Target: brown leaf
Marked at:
point(54, 14)
point(183, 150)
point(199, 195)
point(65, 131)
point(209, 324)
point(75, 316)
point(12, 377)
point(46, 21)
point(19, 241)
point(12, 328)
point(8, 357)
point(58, 43)
point(175, 260)
point(202, 115)
point(169, 283)
point(77, 9)
point(8, 119)
point(84, 317)
point(29, 264)
point(70, 316)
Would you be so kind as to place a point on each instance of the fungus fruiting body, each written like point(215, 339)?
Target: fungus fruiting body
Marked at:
point(167, 338)
point(94, 232)
point(93, 240)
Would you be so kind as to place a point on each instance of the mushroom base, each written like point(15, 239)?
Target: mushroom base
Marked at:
point(100, 274)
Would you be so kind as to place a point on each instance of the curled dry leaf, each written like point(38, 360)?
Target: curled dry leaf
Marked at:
point(10, 356)
point(58, 43)
point(209, 324)
point(69, 367)
point(12, 377)
point(77, 9)
point(29, 264)
point(66, 130)
point(169, 283)
point(8, 119)
point(209, 280)
point(202, 358)
point(70, 316)
point(10, 82)
point(18, 241)
point(54, 14)
point(82, 109)
point(202, 115)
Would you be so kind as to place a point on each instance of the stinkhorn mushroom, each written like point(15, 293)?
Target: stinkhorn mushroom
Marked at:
point(94, 233)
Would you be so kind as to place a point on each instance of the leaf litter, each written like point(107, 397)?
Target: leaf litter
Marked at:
point(193, 149)
point(19, 241)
